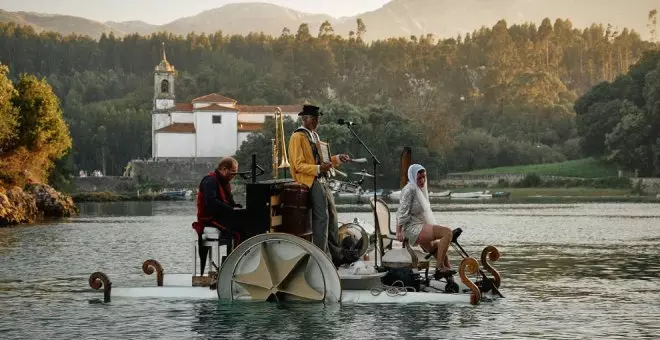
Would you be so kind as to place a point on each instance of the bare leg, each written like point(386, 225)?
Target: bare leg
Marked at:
point(436, 237)
point(442, 236)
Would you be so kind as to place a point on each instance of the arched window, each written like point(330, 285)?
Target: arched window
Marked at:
point(164, 86)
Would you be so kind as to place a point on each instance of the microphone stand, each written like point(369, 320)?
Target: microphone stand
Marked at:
point(378, 242)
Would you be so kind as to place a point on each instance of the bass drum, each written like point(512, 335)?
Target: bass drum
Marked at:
point(359, 235)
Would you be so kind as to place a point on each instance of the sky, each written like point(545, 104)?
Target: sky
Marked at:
point(163, 11)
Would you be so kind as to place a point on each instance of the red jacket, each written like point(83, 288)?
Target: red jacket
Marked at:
point(204, 215)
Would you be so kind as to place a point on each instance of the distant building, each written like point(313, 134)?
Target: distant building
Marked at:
point(209, 126)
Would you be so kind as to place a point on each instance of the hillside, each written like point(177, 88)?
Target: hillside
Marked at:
point(448, 18)
point(244, 18)
point(128, 27)
point(63, 24)
point(443, 18)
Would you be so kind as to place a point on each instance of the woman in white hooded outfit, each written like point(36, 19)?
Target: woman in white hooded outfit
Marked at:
point(415, 221)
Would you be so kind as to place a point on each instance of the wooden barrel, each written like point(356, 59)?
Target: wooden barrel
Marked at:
point(296, 216)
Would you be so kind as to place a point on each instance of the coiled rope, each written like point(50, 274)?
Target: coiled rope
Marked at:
point(396, 289)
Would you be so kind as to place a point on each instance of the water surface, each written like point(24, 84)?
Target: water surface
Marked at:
point(569, 271)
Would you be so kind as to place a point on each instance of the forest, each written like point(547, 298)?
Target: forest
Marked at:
point(503, 95)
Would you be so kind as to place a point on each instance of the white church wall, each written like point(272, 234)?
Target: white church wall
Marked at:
point(158, 120)
point(216, 140)
point(175, 144)
point(183, 117)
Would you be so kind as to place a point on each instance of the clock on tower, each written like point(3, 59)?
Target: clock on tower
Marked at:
point(163, 104)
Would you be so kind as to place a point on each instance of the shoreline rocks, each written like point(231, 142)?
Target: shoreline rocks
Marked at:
point(33, 203)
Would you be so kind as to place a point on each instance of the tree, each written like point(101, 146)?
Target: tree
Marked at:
point(627, 144)
point(653, 24)
point(621, 120)
point(326, 30)
point(303, 33)
point(8, 113)
point(40, 136)
point(361, 29)
point(41, 127)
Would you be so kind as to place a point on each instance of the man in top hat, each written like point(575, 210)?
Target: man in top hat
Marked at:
point(308, 169)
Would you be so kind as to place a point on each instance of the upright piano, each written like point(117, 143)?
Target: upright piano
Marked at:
point(263, 205)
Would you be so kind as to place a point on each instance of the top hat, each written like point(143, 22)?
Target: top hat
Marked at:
point(310, 110)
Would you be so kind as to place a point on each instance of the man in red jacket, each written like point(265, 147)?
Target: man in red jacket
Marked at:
point(216, 206)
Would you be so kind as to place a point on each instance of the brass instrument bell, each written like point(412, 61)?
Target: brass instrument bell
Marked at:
point(279, 145)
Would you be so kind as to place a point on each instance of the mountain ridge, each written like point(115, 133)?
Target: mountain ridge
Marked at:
point(398, 18)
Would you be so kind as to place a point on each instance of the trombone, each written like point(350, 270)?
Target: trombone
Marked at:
point(279, 145)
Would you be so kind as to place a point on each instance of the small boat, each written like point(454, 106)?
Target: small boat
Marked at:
point(472, 195)
point(177, 194)
point(444, 194)
point(395, 195)
point(501, 194)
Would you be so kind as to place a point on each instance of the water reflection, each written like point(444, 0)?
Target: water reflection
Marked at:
point(313, 321)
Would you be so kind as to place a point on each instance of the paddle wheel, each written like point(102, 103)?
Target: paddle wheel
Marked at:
point(280, 267)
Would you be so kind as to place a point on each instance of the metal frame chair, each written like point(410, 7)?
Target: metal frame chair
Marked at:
point(386, 236)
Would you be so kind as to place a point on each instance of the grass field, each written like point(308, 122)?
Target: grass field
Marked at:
point(583, 168)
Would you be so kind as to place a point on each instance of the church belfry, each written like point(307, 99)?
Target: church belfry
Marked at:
point(164, 84)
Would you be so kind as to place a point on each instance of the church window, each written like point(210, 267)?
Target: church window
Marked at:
point(217, 119)
point(164, 86)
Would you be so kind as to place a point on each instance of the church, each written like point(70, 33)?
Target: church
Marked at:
point(209, 126)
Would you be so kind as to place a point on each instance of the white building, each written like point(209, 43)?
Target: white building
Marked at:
point(210, 126)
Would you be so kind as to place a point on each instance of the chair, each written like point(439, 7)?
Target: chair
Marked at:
point(220, 244)
point(386, 235)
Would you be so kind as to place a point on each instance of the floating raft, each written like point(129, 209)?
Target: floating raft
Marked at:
point(283, 267)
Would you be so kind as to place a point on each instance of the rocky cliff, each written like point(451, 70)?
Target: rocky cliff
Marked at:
point(33, 203)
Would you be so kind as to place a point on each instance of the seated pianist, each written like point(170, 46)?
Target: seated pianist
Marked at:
point(216, 206)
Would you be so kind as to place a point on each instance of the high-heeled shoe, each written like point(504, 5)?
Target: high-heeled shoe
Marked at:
point(443, 273)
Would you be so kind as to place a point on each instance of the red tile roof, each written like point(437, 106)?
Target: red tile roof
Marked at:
point(213, 98)
point(215, 107)
point(250, 127)
point(178, 128)
point(184, 107)
point(269, 108)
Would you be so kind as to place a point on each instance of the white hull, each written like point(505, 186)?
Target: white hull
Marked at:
point(179, 286)
point(348, 296)
point(471, 195)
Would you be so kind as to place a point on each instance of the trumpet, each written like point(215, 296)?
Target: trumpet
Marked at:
point(280, 158)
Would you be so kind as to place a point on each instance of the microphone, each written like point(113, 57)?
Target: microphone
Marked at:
point(341, 121)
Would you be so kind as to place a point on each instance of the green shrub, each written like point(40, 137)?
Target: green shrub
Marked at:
point(530, 181)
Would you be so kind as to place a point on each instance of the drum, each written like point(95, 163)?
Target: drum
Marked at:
point(358, 233)
point(296, 216)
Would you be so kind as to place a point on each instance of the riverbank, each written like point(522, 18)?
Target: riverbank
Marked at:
point(33, 203)
point(517, 196)
point(107, 196)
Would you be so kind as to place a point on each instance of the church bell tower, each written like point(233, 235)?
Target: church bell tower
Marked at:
point(164, 85)
point(163, 103)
